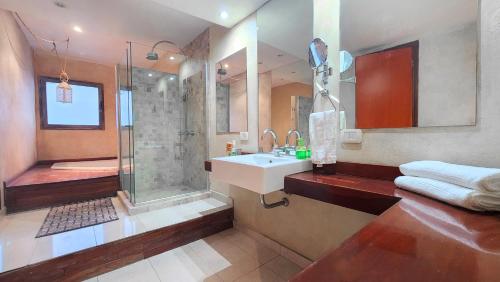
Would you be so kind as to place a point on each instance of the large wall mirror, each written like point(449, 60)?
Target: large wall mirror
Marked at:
point(285, 29)
point(414, 63)
point(231, 94)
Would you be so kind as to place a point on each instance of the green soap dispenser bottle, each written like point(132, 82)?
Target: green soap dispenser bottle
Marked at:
point(301, 150)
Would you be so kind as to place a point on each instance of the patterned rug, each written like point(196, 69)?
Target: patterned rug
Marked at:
point(77, 215)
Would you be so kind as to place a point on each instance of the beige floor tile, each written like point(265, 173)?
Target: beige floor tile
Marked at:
point(228, 232)
point(213, 278)
point(63, 243)
point(252, 247)
point(260, 275)
point(228, 250)
point(141, 271)
point(177, 265)
point(22, 225)
point(125, 226)
point(206, 258)
point(16, 253)
point(212, 238)
point(283, 267)
point(239, 268)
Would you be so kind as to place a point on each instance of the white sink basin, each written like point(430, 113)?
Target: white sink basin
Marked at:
point(261, 173)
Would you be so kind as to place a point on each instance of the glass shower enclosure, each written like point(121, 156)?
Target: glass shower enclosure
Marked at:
point(161, 114)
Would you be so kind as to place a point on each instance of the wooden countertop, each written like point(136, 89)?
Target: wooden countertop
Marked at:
point(414, 238)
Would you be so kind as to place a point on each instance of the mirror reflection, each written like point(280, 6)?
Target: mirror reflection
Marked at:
point(418, 55)
point(285, 77)
point(231, 94)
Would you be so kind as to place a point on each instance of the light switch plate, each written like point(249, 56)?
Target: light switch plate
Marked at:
point(244, 136)
point(351, 136)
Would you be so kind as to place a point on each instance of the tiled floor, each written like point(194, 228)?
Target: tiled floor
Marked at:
point(18, 246)
point(227, 256)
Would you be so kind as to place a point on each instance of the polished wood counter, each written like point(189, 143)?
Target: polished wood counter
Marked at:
point(414, 238)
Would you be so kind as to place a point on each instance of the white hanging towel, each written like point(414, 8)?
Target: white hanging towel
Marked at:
point(322, 135)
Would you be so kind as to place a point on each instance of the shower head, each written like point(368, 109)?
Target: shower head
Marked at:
point(221, 71)
point(153, 56)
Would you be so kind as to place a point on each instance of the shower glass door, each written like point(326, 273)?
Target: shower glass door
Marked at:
point(167, 125)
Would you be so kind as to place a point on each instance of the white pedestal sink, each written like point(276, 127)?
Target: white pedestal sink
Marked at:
point(261, 173)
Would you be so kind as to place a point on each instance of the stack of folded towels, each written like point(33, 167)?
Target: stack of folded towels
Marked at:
point(474, 188)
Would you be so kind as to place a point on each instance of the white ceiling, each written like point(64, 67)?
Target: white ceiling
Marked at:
point(210, 10)
point(366, 24)
point(108, 25)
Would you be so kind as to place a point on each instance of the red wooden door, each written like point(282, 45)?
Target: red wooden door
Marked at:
point(385, 89)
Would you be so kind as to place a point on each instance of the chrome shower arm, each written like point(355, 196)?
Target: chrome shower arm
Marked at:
point(162, 41)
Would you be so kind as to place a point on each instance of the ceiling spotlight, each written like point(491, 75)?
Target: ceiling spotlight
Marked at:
point(171, 58)
point(150, 74)
point(172, 78)
point(224, 15)
point(77, 29)
point(226, 66)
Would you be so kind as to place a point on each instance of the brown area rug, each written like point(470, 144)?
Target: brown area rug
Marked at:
point(77, 215)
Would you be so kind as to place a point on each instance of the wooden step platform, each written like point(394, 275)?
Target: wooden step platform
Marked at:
point(97, 260)
point(41, 187)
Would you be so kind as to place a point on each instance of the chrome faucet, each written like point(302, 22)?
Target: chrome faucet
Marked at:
point(290, 132)
point(275, 137)
point(276, 150)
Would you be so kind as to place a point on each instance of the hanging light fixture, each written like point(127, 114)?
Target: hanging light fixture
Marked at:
point(64, 93)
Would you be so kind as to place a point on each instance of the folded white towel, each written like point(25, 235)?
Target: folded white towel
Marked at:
point(322, 135)
point(450, 193)
point(479, 178)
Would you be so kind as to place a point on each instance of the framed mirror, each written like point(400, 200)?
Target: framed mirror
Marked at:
point(285, 77)
point(414, 63)
point(231, 94)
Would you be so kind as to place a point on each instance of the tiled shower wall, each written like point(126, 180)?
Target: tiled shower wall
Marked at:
point(157, 107)
point(222, 110)
point(169, 127)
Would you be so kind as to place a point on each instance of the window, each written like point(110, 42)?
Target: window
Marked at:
point(85, 112)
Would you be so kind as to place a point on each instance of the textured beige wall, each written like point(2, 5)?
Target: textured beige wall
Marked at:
point(281, 107)
point(474, 145)
point(17, 100)
point(74, 144)
point(307, 226)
